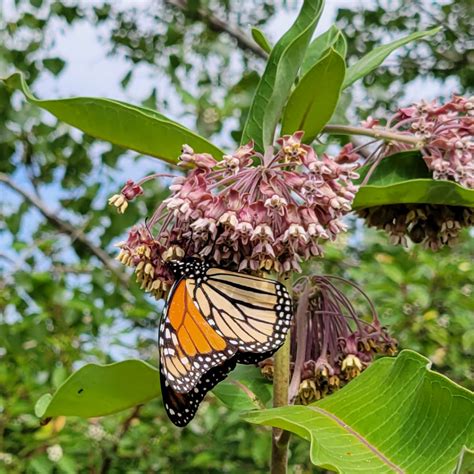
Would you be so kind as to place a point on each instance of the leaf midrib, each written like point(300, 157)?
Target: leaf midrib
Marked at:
point(353, 432)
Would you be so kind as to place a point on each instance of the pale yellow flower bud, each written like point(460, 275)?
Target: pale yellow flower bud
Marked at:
point(120, 202)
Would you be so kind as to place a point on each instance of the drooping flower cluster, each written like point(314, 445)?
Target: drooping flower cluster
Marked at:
point(434, 226)
point(445, 132)
point(331, 344)
point(247, 212)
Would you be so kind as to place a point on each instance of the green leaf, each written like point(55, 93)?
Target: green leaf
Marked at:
point(397, 416)
point(280, 73)
point(340, 44)
point(252, 378)
point(318, 47)
point(244, 389)
point(314, 99)
point(128, 126)
point(466, 463)
point(260, 38)
point(403, 178)
point(236, 396)
point(376, 57)
point(97, 390)
point(395, 168)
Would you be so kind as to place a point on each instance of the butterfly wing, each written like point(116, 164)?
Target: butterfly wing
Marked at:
point(253, 314)
point(181, 407)
point(213, 320)
point(189, 345)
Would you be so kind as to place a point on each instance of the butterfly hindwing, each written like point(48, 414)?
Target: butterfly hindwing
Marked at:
point(181, 407)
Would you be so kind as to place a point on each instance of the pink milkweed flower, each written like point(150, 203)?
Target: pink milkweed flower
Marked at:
point(293, 151)
point(447, 147)
point(445, 132)
point(241, 158)
point(370, 122)
point(254, 212)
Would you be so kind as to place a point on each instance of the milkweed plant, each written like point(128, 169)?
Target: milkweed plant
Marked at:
point(267, 209)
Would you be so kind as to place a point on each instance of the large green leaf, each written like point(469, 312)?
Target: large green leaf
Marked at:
point(280, 73)
point(397, 416)
point(97, 390)
point(403, 178)
point(376, 57)
point(314, 99)
point(129, 126)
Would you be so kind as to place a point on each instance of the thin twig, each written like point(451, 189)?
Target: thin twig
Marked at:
point(220, 25)
point(67, 228)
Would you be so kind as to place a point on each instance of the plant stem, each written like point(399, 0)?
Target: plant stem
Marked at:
point(281, 379)
point(376, 132)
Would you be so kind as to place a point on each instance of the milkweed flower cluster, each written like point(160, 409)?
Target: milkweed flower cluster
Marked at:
point(248, 212)
point(445, 141)
point(445, 132)
point(432, 225)
point(331, 343)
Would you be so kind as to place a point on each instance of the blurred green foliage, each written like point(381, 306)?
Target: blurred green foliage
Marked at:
point(447, 56)
point(61, 306)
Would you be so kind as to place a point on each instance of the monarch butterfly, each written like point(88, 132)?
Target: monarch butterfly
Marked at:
point(214, 319)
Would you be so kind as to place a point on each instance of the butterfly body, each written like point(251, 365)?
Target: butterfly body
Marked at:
point(213, 320)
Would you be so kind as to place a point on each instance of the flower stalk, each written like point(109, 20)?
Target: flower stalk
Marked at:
point(380, 133)
point(281, 379)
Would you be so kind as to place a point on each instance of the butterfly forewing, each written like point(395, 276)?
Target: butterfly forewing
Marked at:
point(253, 314)
point(189, 345)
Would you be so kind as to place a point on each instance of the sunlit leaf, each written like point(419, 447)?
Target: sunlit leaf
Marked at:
point(397, 416)
point(340, 44)
point(314, 99)
point(129, 126)
point(260, 38)
point(281, 70)
point(318, 47)
point(97, 390)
